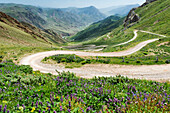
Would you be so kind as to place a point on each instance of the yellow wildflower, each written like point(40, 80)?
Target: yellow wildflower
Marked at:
point(38, 90)
point(46, 108)
point(40, 84)
point(57, 97)
point(4, 102)
point(21, 108)
point(33, 109)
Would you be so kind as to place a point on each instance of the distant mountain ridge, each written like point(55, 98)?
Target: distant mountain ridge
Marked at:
point(64, 21)
point(122, 10)
point(87, 12)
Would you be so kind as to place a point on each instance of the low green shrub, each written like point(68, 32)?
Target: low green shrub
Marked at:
point(83, 62)
point(145, 53)
point(63, 60)
point(26, 69)
point(138, 61)
point(1, 59)
point(2, 65)
point(88, 61)
point(73, 60)
point(167, 61)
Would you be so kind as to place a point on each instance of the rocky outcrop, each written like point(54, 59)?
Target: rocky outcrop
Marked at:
point(132, 17)
point(4, 17)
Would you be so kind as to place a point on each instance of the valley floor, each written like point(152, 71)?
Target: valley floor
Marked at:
point(150, 72)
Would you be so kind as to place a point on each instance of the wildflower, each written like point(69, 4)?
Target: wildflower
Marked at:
point(61, 109)
point(41, 95)
point(4, 102)
point(88, 109)
point(21, 108)
point(46, 108)
point(108, 105)
point(0, 108)
point(52, 103)
point(33, 109)
point(134, 88)
point(69, 104)
point(38, 90)
point(57, 97)
point(49, 109)
point(4, 109)
point(69, 110)
point(61, 99)
point(36, 104)
point(40, 84)
point(110, 100)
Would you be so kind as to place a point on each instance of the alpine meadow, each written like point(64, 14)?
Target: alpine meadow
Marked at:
point(101, 56)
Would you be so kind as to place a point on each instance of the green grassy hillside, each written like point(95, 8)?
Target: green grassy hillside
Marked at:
point(99, 28)
point(155, 17)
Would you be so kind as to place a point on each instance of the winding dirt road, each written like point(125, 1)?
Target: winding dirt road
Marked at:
point(135, 36)
point(150, 72)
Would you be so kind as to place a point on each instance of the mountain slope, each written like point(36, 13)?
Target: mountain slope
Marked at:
point(157, 18)
point(13, 32)
point(28, 14)
point(99, 28)
point(120, 10)
point(154, 17)
point(59, 20)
